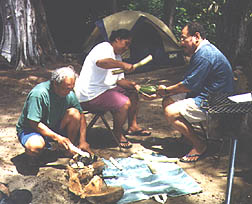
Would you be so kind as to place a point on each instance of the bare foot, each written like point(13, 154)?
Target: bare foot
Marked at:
point(124, 143)
point(194, 155)
point(138, 132)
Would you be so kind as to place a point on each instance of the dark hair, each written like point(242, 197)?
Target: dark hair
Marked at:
point(194, 27)
point(121, 34)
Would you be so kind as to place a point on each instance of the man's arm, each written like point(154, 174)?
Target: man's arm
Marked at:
point(83, 132)
point(110, 63)
point(45, 131)
point(173, 89)
point(128, 84)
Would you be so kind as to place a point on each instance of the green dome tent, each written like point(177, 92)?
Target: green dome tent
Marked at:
point(150, 36)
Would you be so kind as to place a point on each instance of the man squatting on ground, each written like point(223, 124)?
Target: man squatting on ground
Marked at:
point(208, 72)
point(99, 90)
point(52, 112)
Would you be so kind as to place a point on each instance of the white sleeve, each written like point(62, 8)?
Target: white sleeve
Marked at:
point(102, 51)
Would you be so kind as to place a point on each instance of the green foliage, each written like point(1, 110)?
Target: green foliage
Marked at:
point(154, 7)
point(148, 89)
point(204, 11)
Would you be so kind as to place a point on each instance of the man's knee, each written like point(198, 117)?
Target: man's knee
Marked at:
point(124, 108)
point(73, 113)
point(127, 105)
point(171, 114)
point(35, 144)
point(71, 119)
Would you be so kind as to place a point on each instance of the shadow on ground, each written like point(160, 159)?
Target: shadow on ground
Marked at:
point(22, 196)
point(99, 138)
point(172, 147)
point(24, 166)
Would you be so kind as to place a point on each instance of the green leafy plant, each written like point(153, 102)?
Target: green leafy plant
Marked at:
point(148, 89)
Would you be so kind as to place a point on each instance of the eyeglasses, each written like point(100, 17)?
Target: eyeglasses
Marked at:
point(183, 38)
point(64, 88)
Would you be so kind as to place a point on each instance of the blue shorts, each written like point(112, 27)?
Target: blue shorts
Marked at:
point(26, 134)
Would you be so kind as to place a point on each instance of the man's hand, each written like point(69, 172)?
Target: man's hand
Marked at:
point(149, 97)
point(110, 63)
point(65, 142)
point(137, 87)
point(161, 90)
point(44, 130)
point(128, 67)
point(128, 84)
point(85, 147)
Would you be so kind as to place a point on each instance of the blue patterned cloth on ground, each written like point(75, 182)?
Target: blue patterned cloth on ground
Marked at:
point(139, 183)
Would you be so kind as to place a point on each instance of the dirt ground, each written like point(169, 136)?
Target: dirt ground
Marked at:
point(48, 184)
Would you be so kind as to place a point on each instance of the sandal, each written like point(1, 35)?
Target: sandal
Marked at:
point(186, 159)
point(125, 144)
point(141, 132)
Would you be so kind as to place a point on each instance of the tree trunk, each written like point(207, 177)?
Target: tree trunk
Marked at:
point(26, 39)
point(169, 12)
point(232, 28)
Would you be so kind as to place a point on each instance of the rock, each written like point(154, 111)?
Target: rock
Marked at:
point(98, 192)
point(78, 178)
point(86, 184)
point(74, 184)
point(96, 185)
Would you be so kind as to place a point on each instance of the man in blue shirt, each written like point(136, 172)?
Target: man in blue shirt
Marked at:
point(208, 72)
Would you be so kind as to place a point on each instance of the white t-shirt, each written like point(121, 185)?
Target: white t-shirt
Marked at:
point(94, 80)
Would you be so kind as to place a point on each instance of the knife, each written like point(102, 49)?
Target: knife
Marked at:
point(78, 151)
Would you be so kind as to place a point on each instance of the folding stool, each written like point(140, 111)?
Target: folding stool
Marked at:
point(97, 115)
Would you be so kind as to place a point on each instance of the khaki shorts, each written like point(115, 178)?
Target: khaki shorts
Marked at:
point(187, 108)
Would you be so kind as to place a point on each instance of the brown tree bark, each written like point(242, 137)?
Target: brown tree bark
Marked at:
point(169, 12)
point(26, 39)
point(232, 28)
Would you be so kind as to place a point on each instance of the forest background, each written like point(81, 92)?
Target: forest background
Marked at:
point(35, 33)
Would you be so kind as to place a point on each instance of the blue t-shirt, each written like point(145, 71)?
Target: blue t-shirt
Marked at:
point(43, 105)
point(209, 72)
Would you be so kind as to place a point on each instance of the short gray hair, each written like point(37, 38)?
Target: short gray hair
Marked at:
point(61, 73)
